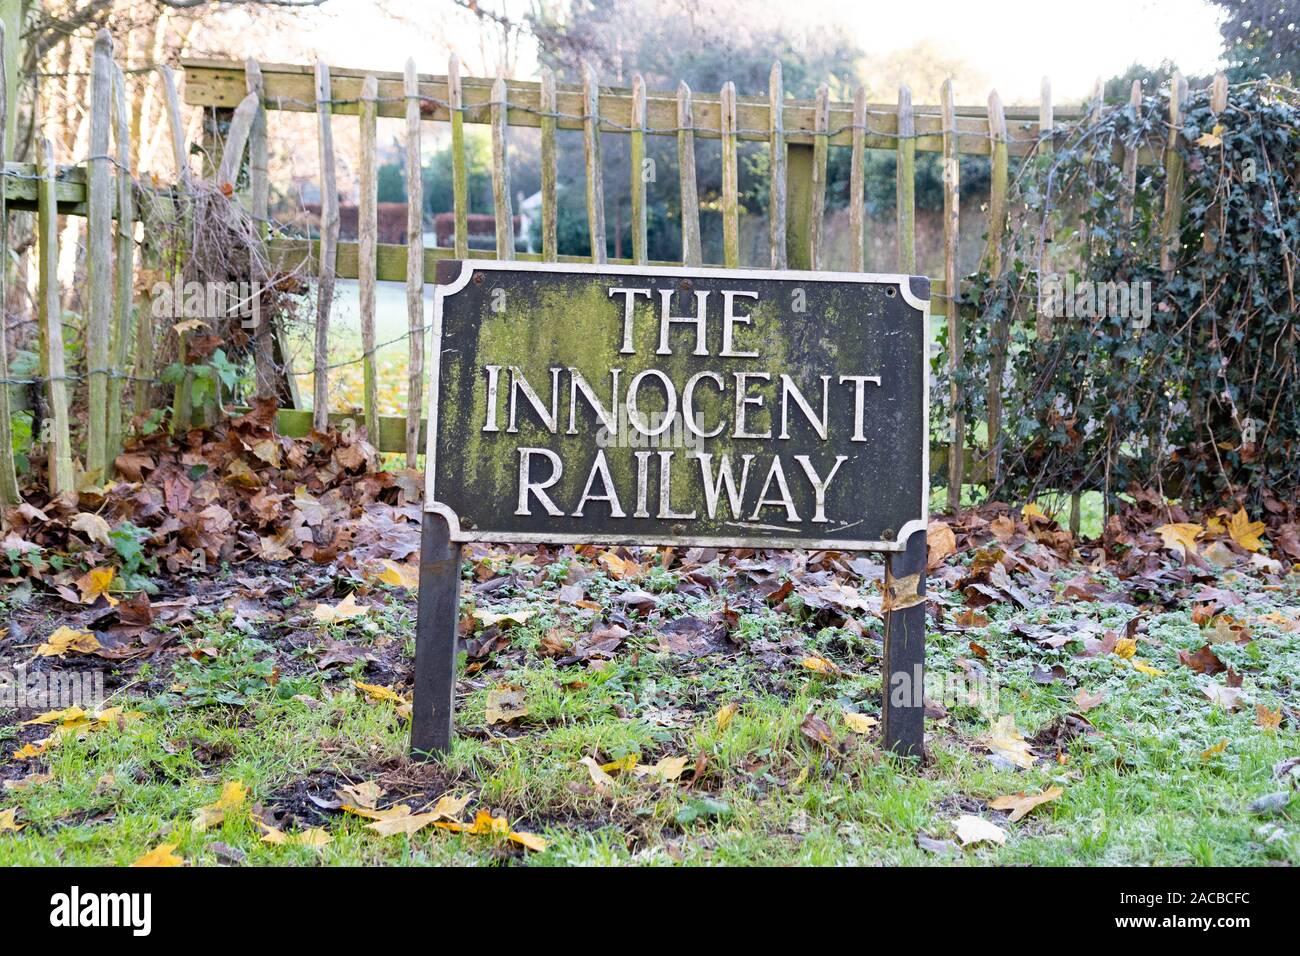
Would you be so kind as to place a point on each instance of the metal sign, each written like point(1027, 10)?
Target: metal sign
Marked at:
point(666, 406)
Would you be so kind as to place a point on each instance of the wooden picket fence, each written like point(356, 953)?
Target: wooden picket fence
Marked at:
point(798, 133)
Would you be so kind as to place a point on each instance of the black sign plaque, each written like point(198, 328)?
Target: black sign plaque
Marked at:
point(642, 405)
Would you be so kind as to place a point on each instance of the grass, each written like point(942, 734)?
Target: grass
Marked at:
point(1152, 786)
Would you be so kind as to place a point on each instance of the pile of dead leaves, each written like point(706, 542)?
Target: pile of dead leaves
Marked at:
point(236, 491)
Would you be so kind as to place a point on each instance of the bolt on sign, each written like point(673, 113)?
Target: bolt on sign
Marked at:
point(601, 404)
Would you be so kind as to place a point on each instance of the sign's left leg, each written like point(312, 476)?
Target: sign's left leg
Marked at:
point(435, 639)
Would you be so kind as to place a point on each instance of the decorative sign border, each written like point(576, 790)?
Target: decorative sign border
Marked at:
point(469, 267)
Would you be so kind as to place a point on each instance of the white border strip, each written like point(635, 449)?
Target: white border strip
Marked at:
point(469, 267)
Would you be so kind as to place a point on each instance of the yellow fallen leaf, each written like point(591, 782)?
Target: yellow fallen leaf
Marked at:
point(28, 751)
point(1006, 741)
point(362, 794)
point(160, 855)
point(1218, 748)
point(941, 543)
point(376, 692)
point(93, 527)
point(405, 823)
point(95, 582)
point(488, 618)
point(1145, 668)
point(530, 841)
point(345, 610)
point(7, 822)
point(1020, 803)
point(31, 780)
point(1268, 719)
point(316, 836)
point(599, 777)
point(232, 798)
point(622, 764)
point(1180, 537)
point(1126, 647)
point(505, 704)
point(65, 641)
point(666, 769)
point(970, 829)
point(400, 575)
point(860, 723)
point(1246, 533)
point(1031, 510)
point(820, 665)
point(484, 824)
point(67, 715)
point(724, 715)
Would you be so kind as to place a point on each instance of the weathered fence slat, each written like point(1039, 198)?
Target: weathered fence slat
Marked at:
point(1129, 186)
point(550, 219)
point(1214, 215)
point(459, 173)
point(993, 260)
point(1173, 210)
point(905, 186)
point(124, 268)
point(821, 157)
point(182, 404)
point(265, 379)
point(777, 165)
point(51, 318)
point(99, 251)
point(857, 184)
point(414, 266)
point(232, 156)
point(501, 202)
point(367, 238)
point(730, 175)
point(8, 473)
point(1043, 316)
point(951, 222)
point(638, 172)
point(691, 254)
point(591, 152)
point(329, 237)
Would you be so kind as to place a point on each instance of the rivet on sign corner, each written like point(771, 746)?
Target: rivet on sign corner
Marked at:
point(890, 291)
point(478, 278)
point(685, 285)
point(888, 534)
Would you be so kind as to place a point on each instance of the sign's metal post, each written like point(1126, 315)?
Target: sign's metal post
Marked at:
point(435, 638)
point(903, 665)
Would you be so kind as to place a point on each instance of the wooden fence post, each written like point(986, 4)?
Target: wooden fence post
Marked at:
point(691, 254)
point(1173, 210)
point(367, 238)
point(595, 172)
point(1214, 218)
point(51, 319)
point(905, 186)
point(414, 264)
point(459, 174)
point(265, 336)
point(99, 250)
point(730, 202)
point(329, 238)
point(777, 225)
point(956, 347)
point(182, 403)
point(821, 156)
point(8, 474)
point(993, 259)
point(550, 219)
point(501, 201)
point(857, 184)
point(125, 269)
point(1043, 319)
point(1130, 169)
point(637, 161)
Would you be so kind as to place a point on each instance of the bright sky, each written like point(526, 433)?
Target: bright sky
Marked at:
point(1012, 42)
